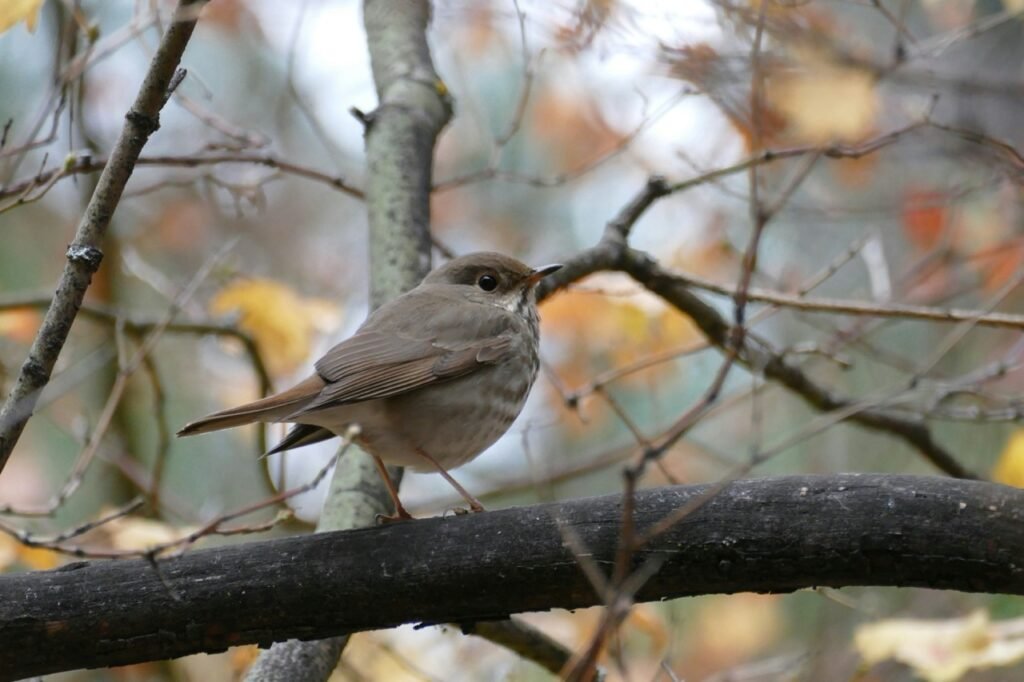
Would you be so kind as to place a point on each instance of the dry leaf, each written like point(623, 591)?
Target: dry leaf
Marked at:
point(8, 551)
point(730, 629)
point(282, 322)
point(1010, 467)
point(13, 11)
point(824, 102)
point(20, 325)
point(614, 330)
point(943, 650)
point(924, 216)
point(131, 533)
point(38, 558)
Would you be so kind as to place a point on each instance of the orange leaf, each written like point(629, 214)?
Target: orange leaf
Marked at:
point(38, 558)
point(1002, 264)
point(20, 325)
point(1010, 467)
point(924, 217)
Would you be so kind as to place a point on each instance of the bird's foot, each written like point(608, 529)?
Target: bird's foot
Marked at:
point(402, 515)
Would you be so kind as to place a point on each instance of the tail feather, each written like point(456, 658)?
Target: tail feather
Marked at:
point(300, 436)
point(269, 409)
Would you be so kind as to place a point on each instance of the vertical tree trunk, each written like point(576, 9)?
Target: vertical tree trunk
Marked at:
point(400, 135)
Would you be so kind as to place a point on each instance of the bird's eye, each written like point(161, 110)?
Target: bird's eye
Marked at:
point(487, 282)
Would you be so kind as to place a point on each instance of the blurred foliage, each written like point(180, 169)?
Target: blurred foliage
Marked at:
point(556, 128)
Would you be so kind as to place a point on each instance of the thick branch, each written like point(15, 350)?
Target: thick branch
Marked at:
point(84, 253)
point(768, 535)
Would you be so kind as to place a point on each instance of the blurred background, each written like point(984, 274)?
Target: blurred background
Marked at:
point(895, 179)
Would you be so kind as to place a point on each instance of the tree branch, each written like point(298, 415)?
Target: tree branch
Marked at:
point(613, 253)
point(84, 254)
point(768, 535)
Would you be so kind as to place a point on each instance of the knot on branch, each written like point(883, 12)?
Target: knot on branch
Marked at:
point(89, 256)
point(34, 370)
point(146, 125)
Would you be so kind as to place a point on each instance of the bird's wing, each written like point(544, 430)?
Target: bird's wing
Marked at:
point(388, 357)
point(372, 365)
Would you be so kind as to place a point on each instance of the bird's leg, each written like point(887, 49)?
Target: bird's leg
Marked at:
point(474, 504)
point(400, 512)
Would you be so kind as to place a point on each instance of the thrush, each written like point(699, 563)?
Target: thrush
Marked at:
point(431, 378)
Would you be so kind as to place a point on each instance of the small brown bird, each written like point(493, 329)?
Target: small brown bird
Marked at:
point(432, 378)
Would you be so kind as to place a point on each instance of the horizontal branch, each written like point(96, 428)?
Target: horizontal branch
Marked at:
point(88, 164)
point(768, 535)
point(865, 308)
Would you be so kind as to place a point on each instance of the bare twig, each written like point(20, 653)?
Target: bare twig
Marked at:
point(86, 164)
point(84, 254)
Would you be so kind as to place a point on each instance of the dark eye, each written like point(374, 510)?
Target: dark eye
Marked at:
point(487, 282)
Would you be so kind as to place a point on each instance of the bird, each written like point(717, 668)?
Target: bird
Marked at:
point(431, 379)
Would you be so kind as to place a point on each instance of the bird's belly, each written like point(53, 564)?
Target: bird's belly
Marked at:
point(453, 422)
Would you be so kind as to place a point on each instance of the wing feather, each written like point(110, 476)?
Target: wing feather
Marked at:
point(386, 357)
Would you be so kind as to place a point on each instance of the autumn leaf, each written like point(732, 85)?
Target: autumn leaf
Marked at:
point(38, 558)
point(8, 551)
point(13, 11)
point(614, 329)
point(729, 629)
point(570, 128)
point(924, 216)
point(1010, 467)
point(282, 322)
point(1002, 264)
point(13, 552)
point(20, 325)
point(824, 102)
point(943, 650)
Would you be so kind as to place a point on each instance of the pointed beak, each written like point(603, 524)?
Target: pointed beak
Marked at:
point(542, 272)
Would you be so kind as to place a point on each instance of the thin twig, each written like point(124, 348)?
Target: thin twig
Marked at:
point(84, 254)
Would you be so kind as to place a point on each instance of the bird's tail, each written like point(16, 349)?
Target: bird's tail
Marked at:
point(270, 409)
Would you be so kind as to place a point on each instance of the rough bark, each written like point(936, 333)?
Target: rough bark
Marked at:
point(767, 535)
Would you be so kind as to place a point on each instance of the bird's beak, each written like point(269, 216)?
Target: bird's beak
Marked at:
point(542, 272)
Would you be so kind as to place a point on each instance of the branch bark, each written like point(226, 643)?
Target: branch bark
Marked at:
point(84, 253)
point(768, 535)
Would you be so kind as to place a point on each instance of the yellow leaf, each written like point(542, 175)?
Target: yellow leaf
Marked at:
point(14, 552)
point(729, 629)
point(1010, 467)
point(13, 11)
point(8, 551)
point(38, 558)
point(136, 534)
point(825, 102)
point(242, 657)
point(646, 619)
point(20, 325)
point(943, 650)
point(282, 322)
